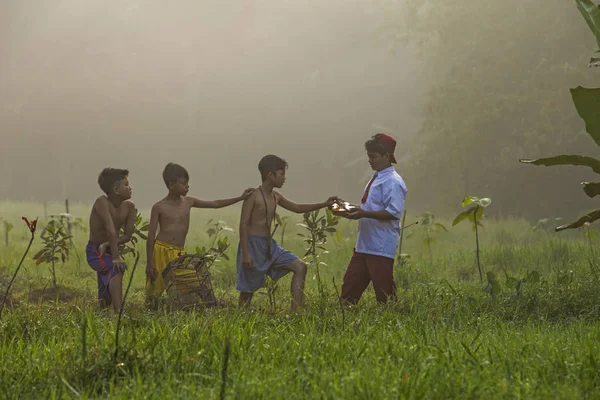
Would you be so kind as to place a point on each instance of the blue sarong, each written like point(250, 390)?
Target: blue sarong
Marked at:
point(250, 280)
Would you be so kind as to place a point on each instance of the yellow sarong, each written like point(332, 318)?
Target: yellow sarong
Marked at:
point(163, 254)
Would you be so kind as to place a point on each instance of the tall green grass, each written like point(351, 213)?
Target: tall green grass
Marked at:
point(445, 336)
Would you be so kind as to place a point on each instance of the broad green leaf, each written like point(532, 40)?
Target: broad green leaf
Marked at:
point(591, 217)
point(591, 13)
point(462, 216)
point(592, 189)
point(566, 159)
point(587, 103)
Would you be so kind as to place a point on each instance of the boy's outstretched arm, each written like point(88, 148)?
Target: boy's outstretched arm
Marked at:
point(197, 203)
point(303, 208)
point(247, 207)
point(152, 227)
point(103, 211)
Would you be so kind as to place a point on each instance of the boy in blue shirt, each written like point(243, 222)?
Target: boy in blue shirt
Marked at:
point(378, 218)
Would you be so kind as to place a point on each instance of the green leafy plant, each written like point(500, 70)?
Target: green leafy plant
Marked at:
point(474, 214)
point(430, 229)
point(140, 229)
point(591, 13)
point(55, 248)
point(70, 224)
point(219, 244)
point(317, 227)
point(7, 228)
point(215, 229)
point(587, 104)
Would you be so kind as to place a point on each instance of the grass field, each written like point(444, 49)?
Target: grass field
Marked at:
point(446, 336)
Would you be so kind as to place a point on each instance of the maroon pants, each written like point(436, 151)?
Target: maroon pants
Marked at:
point(365, 268)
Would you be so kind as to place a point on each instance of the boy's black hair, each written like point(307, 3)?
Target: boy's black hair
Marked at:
point(173, 172)
point(376, 145)
point(271, 163)
point(110, 177)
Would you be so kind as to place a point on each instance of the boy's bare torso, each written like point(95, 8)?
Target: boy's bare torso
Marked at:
point(173, 220)
point(119, 215)
point(261, 217)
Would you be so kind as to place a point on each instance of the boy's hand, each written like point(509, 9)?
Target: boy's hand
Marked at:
point(102, 248)
point(247, 193)
point(356, 214)
point(247, 262)
point(331, 200)
point(119, 263)
point(151, 272)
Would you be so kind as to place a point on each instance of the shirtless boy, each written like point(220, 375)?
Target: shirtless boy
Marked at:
point(171, 216)
point(258, 254)
point(109, 214)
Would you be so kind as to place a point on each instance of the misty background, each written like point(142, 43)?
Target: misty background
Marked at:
point(466, 88)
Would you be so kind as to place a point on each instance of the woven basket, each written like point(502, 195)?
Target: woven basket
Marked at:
point(187, 283)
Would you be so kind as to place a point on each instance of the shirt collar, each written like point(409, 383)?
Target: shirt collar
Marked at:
point(385, 171)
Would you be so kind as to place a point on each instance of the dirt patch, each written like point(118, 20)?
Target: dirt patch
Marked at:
point(61, 294)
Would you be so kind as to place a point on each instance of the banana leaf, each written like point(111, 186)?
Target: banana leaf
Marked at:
point(565, 159)
point(589, 218)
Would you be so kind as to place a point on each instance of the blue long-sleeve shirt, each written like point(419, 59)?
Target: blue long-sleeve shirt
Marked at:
point(376, 237)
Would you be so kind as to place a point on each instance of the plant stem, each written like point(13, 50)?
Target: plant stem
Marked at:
point(402, 232)
point(340, 303)
point(477, 242)
point(122, 308)
point(53, 270)
point(15, 274)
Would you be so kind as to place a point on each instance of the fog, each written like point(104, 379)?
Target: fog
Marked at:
point(212, 85)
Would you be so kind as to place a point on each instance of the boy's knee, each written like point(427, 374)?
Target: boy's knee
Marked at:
point(301, 267)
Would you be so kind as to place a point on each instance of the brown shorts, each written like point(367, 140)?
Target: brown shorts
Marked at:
point(364, 268)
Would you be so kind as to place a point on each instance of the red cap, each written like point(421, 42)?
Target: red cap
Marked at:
point(389, 143)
